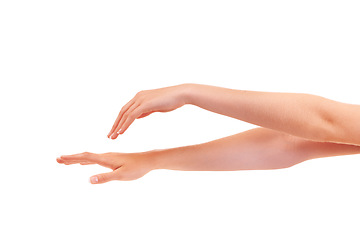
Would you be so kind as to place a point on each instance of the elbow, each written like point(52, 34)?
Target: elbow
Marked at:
point(334, 122)
point(337, 133)
point(319, 129)
point(325, 133)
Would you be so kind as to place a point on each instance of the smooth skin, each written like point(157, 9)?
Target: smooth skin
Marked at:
point(293, 127)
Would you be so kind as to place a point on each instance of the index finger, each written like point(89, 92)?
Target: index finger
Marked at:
point(85, 156)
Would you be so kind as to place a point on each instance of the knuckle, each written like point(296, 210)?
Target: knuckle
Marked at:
point(137, 113)
point(145, 105)
point(140, 100)
point(88, 155)
point(132, 115)
point(141, 93)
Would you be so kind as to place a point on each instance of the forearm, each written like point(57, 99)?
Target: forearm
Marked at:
point(256, 149)
point(304, 115)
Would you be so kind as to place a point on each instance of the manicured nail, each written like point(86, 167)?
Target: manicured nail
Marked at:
point(94, 179)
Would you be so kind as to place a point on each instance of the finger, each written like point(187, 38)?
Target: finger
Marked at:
point(102, 159)
point(61, 161)
point(81, 163)
point(67, 162)
point(86, 163)
point(135, 114)
point(122, 111)
point(126, 115)
point(105, 177)
point(83, 158)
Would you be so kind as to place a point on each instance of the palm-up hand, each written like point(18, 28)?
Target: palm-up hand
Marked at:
point(125, 166)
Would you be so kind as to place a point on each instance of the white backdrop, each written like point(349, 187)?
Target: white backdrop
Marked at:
point(67, 67)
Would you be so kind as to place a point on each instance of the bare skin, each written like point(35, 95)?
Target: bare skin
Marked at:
point(258, 148)
point(294, 128)
point(303, 115)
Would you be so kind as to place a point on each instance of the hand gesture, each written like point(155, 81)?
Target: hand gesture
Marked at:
point(146, 102)
point(125, 166)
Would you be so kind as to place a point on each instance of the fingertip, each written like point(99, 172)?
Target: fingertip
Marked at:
point(113, 136)
point(94, 180)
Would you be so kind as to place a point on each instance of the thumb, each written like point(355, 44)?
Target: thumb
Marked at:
point(104, 177)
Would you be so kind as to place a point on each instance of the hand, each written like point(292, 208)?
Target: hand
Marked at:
point(125, 166)
point(146, 102)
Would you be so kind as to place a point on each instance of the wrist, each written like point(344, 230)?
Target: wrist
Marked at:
point(155, 158)
point(187, 92)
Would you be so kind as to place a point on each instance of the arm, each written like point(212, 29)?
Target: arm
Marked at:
point(304, 115)
point(255, 149)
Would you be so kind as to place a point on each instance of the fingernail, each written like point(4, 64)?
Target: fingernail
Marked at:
point(94, 179)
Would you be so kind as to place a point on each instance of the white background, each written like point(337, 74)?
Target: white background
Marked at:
point(67, 67)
